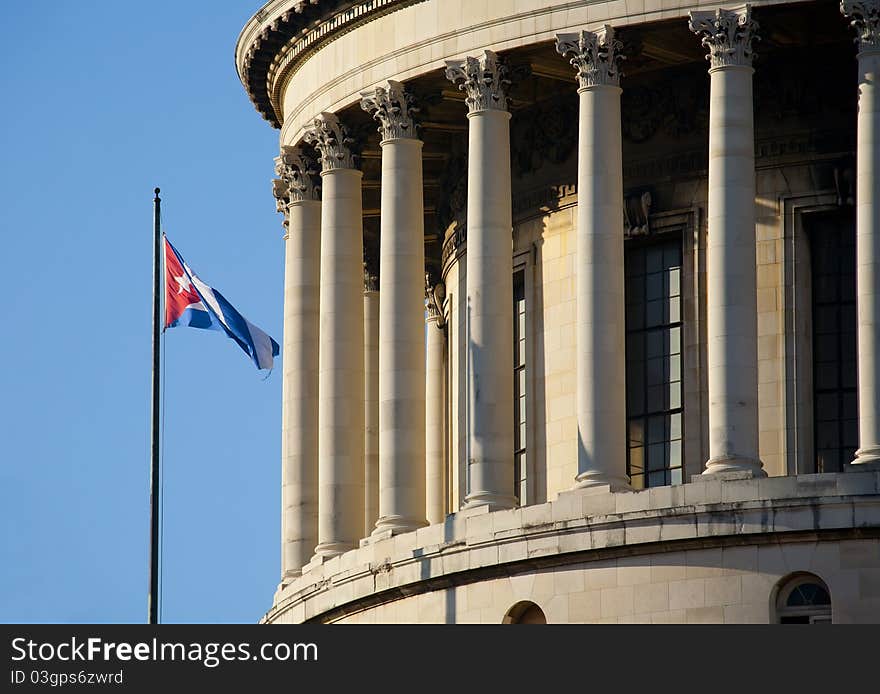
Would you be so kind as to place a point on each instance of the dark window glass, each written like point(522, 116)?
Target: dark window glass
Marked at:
point(653, 363)
point(835, 411)
point(519, 384)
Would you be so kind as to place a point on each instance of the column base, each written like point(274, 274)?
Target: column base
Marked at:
point(397, 525)
point(733, 467)
point(597, 478)
point(867, 455)
point(328, 550)
point(495, 502)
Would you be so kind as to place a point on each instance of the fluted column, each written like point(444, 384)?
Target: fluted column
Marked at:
point(435, 410)
point(401, 313)
point(865, 18)
point(298, 197)
point(731, 276)
point(341, 352)
point(489, 282)
point(601, 333)
point(371, 399)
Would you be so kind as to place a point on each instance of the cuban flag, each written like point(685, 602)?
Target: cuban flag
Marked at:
point(189, 301)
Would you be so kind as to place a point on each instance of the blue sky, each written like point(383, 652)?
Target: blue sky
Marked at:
point(102, 102)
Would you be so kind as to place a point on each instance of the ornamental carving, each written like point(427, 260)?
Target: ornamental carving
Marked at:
point(728, 35)
point(393, 107)
point(595, 56)
point(297, 170)
point(281, 193)
point(637, 215)
point(484, 80)
point(371, 269)
point(543, 134)
point(865, 19)
point(435, 292)
point(333, 142)
point(452, 201)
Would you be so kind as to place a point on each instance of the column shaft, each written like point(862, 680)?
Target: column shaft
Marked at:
point(371, 409)
point(601, 335)
point(299, 473)
point(341, 377)
point(401, 339)
point(435, 460)
point(868, 256)
point(731, 275)
point(490, 311)
point(732, 304)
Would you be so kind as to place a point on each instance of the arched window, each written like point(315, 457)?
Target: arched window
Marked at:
point(803, 599)
point(525, 612)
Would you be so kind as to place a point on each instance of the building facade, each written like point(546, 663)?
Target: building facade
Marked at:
point(582, 308)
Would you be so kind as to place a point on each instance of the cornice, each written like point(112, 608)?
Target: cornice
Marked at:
point(283, 34)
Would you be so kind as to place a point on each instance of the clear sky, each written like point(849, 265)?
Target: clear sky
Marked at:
point(101, 102)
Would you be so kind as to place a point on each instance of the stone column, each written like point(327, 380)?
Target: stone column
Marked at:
point(298, 197)
point(601, 332)
point(371, 398)
point(401, 313)
point(865, 19)
point(732, 304)
point(341, 352)
point(489, 282)
point(435, 402)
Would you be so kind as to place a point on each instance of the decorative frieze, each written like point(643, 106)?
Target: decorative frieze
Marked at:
point(728, 35)
point(595, 56)
point(864, 17)
point(297, 172)
point(393, 107)
point(484, 80)
point(333, 141)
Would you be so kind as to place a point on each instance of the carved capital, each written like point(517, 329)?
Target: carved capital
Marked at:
point(484, 80)
point(434, 295)
point(333, 142)
point(371, 279)
point(594, 54)
point(728, 35)
point(281, 193)
point(864, 16)
point(296, 171)
point(393, 107)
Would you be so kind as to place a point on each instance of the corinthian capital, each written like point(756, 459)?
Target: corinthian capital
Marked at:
point(296, 172)
point(333, 142)
point(594, 54)
point(434, 295)
point(727, 34)
point(394, 108)
point(864, 16)
point(484, 80)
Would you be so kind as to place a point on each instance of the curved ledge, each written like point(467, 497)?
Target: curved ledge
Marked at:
point(583, 525)
point(283, 34)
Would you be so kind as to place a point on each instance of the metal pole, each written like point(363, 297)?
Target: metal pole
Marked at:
point(153, 601)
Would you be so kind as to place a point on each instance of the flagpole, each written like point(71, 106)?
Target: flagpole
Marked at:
point(153, 600)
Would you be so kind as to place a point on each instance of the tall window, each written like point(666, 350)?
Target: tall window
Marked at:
point(835, 394)
point(653, 363)
point(519, 384)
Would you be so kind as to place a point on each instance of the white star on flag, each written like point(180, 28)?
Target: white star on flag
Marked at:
point(184, 283)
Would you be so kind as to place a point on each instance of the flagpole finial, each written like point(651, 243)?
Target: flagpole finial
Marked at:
point(157, 193)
